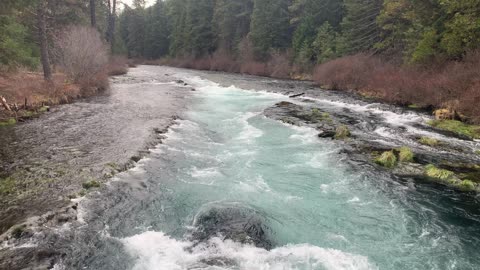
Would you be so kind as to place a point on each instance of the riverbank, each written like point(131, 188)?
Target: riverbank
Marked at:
point(25, 94)
point(70, 150)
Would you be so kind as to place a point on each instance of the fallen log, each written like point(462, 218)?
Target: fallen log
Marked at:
point(4, 103)
point(296, 95)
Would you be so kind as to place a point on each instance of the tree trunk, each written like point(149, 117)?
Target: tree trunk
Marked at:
point(110, 34)
point(42, 38)
point(93, 15)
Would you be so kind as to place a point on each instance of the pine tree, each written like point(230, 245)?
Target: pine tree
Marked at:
point(156, 36)
point(232, 22)
point(307, 17)
point(359, 26)
point(269, 27)
point(177, 15)
point(199, 35)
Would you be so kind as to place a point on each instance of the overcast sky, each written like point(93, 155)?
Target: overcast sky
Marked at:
point(129, 2)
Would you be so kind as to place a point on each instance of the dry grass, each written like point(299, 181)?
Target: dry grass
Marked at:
point(30, 87)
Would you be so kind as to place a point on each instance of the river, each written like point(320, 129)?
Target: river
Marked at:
point(229, 188)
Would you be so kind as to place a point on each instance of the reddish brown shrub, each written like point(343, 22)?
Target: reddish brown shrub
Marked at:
point(221, 61)
point(254, 68)
point(453, 85)
point(117, 65)
point(16, 87)
point(279, 65)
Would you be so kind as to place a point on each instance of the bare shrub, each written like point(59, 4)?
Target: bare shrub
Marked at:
point(452, 85)
point(83, 56)
point(31, 86)
point(279, 65)
point(254, 68)
point(222, 61)
point(117, 65)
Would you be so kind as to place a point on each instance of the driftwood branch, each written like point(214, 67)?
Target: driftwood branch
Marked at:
point(4, 103)
point(297, 95)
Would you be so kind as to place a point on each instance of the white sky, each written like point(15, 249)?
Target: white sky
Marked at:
point(129, 2)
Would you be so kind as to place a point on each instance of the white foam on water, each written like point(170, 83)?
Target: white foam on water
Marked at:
point(324, 188)
point(318, 159)
point(205, 172)
point(305, 135)
point(249, 132)
point(354, 200)
point(155, 250)
point(395, 119)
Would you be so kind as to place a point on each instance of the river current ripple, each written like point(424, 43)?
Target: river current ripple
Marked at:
point(231, 189)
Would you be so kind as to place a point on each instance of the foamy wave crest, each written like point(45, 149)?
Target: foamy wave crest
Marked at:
point(249, 132)
point(155, 250)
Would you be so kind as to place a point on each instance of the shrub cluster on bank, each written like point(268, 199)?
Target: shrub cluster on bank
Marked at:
point(83, 64)
point(453, 85)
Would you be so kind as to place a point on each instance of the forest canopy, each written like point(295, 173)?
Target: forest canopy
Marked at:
point(311, 31)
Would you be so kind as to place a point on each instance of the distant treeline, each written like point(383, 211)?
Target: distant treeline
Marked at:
point(309, 31)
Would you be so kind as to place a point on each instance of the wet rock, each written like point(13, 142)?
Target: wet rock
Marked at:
point(327, 134)
point(234, 222)
point(179, 81)
point(409, 170)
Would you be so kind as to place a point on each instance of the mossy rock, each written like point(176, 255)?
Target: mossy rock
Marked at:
point(437, 173)
point(405, 154)
point(342, 132)
point(467, 185)
point(455, 126)
point(387, 159)
point(477, 152)
point(44, 109)
point(8, 122)
point(91, 184)
point(414, 106)
point(429, 141)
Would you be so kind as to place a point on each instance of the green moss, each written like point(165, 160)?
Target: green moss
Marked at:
point(429, 141)
point(414, 106)
point(82, 193)
point(387, 159)
point(436, 173)
point(7, 186)
point(28, 114)
point(342, 132)
point(467, 185)
point(44, 109)
point(477, 152)
point(91, 184)
point(471, 131)
point(9, 122)
point(405, 154)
